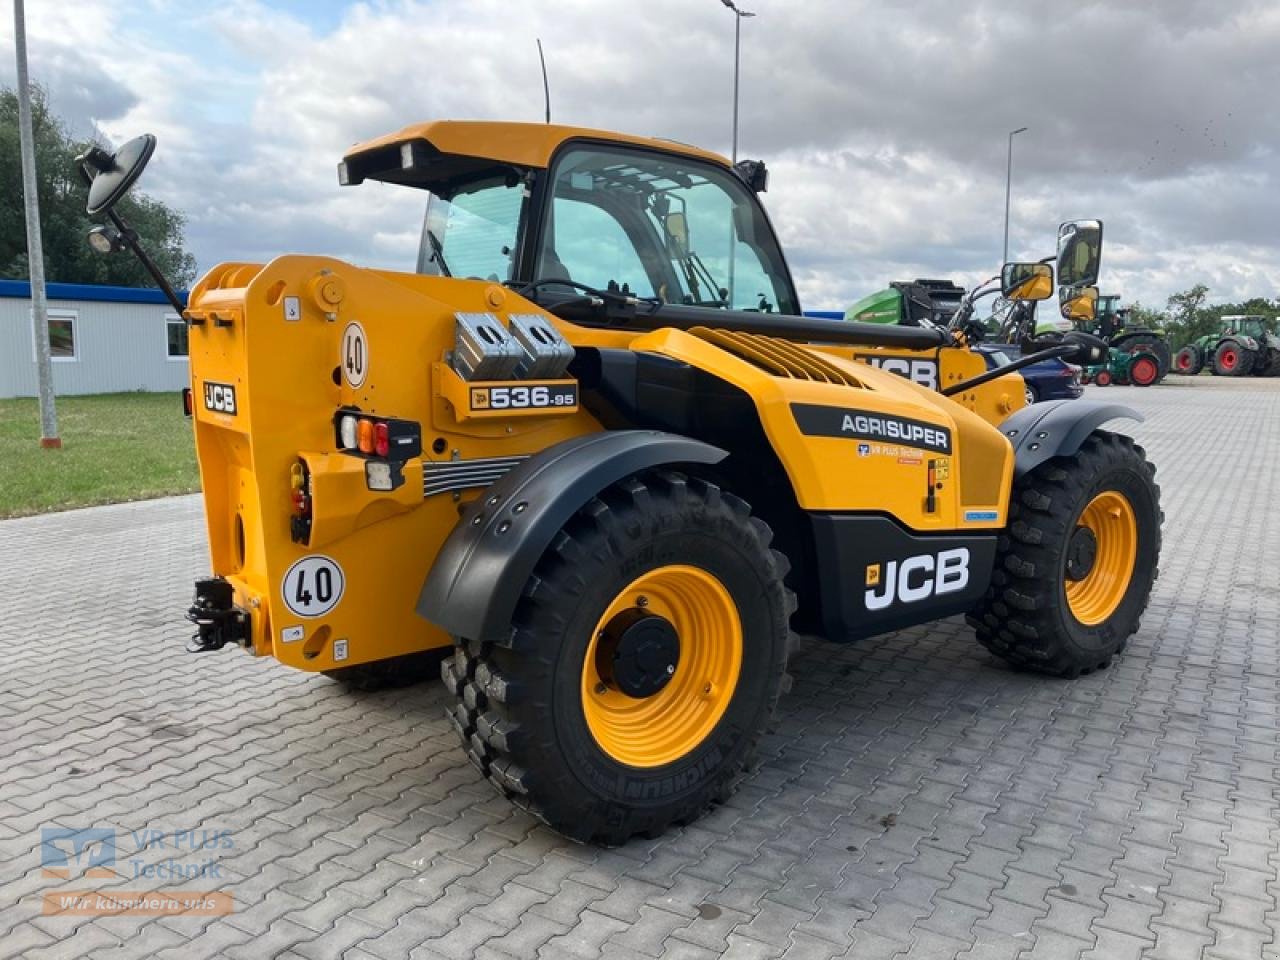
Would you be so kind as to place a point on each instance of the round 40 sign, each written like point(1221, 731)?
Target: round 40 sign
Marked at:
point(313, 586)
point(355, 355)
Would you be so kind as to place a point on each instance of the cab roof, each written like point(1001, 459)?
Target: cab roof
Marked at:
point(435, 152)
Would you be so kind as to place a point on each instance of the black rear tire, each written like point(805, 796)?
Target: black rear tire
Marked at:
point(1156, 346)
point(1144, 370)
point(1232, 360)
point(1025, 617)
point(1189, 361)
point(520, 710)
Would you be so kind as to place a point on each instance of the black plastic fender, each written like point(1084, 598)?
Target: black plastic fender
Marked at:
point(476, 580)
point(1057, 428)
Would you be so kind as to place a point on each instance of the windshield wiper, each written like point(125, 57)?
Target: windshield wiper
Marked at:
point(437, 252)
point(695, 269)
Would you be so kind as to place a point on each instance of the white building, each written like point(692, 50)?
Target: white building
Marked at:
point(103, 340)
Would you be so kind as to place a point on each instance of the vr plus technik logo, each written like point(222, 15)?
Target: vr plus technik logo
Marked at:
point(66, 852)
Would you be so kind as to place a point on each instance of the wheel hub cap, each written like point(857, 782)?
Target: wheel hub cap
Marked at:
point(1100, 557)
point(639, 653)
point(661, 666)
point(1081, 552)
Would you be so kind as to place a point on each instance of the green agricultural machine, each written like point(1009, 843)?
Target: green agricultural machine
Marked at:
point(1138, 367)
point(1242, 346)
point(909, 303)
point(1115, 324)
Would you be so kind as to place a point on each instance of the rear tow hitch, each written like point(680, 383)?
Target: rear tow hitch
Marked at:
point(218, 620)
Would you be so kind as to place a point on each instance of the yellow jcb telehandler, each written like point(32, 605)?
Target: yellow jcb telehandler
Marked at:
point(592, 445)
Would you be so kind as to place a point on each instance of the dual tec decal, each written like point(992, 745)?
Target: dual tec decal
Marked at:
point(817, 420)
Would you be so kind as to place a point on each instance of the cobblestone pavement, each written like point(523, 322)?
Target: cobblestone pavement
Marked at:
point(916, 797)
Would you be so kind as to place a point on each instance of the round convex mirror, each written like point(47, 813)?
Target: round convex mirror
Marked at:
point(115, 176)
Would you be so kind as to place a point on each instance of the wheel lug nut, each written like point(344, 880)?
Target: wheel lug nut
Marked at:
point(671, 668)
point(642, 601)
point(601, 688)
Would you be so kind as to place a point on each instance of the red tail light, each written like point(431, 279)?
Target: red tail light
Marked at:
point(381, 439)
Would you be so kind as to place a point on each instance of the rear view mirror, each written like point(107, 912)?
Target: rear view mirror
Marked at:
point(677, 235)
point(110, 175)
point(1078, 303)
point(1079, 252)
point(1026, 281)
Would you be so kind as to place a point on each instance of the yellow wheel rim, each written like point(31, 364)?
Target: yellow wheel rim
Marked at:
point(1094, 597)
point(653, 730)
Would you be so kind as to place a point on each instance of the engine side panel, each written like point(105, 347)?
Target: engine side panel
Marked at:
point(882, 444)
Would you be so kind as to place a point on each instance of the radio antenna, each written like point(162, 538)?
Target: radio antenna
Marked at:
point(546, 87)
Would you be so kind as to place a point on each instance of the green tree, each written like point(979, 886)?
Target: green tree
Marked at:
point(1144, 316)
point(1189, 318)
point(67, 257)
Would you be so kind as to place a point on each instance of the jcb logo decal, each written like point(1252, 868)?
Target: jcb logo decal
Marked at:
point(220, 397)
point(917, 578)
point(479, 398)
point(923, 372)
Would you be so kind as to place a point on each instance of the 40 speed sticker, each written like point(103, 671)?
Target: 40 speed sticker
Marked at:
point(313, 586)
point(355, 355)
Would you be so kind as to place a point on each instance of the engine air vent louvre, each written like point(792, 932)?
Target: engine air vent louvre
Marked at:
point(776, 356)
point(450, 475)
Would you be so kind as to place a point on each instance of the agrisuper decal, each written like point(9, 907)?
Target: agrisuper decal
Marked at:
point(923, 372)
point(817, 420)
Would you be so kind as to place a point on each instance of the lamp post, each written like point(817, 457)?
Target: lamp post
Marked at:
point(1008, 183)
point(738, 16)
point(35, 250)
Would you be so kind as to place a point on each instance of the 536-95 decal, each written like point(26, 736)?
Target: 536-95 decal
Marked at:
point(530, 396)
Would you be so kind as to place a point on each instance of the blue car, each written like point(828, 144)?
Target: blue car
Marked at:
point(1047, 380)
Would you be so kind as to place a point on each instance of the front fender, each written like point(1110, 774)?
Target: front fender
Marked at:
point(1057, 428)
point(476, 580)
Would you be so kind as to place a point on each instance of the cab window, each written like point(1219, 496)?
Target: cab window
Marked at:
point(673, 228)
point(472, 232)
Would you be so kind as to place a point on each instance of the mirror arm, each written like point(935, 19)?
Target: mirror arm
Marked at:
point(1062, 350)
point(130, 237)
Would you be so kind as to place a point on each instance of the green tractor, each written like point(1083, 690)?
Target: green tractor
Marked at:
point(1115, 325)
point(1137, 367)
point(1242, 345)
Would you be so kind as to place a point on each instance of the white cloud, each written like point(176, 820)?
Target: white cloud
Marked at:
point(884, 125)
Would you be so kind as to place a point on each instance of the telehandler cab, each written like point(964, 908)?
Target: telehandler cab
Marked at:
point(592, 445)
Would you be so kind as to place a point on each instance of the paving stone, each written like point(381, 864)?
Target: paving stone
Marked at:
point(1131, 813)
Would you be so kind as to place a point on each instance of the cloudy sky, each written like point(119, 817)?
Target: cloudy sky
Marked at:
point(884, 123)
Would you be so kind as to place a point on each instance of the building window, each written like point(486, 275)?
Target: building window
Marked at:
point(176, 332)
point(62, 336)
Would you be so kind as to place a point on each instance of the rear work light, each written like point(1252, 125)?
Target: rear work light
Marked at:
point(384, 443)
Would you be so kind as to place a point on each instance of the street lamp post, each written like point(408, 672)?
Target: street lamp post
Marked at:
point(1008, 183)
point(738, 16)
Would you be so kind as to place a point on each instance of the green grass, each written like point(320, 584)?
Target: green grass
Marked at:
point(115, 446)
